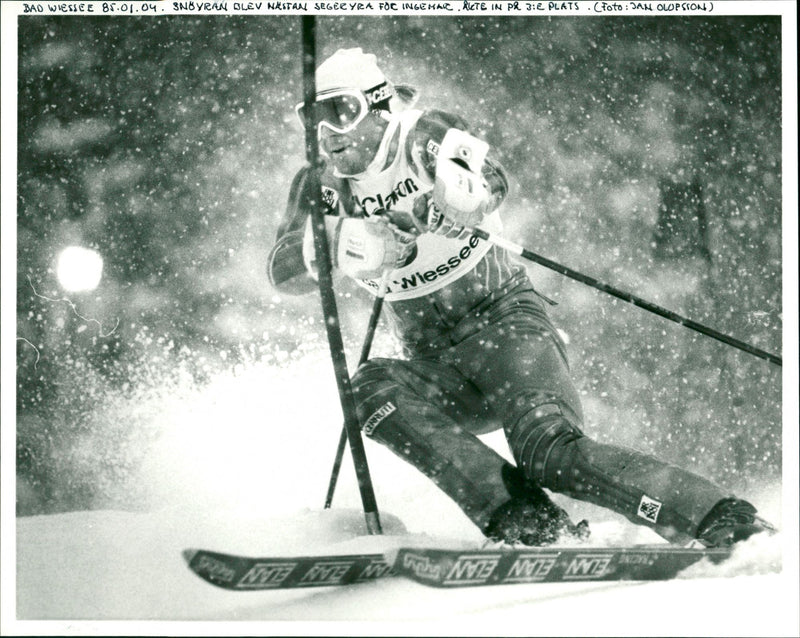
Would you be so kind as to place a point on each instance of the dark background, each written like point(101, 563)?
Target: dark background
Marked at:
point(644, 152)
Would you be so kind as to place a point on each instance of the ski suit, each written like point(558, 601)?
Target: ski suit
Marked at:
point(481, 354)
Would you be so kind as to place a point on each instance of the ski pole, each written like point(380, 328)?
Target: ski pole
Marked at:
point(625, 296)
point(365, 348)
point(325, 279)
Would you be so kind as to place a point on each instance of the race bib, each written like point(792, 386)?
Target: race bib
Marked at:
point(439, 261)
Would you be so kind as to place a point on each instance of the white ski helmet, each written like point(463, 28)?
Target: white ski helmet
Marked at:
point(349, 69)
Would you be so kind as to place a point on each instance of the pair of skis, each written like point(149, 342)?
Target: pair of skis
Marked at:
point(446, 568)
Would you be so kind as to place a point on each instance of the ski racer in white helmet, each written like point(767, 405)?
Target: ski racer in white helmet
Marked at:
point(402, 189)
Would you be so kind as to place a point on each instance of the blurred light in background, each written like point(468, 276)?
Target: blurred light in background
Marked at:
point(79, 269)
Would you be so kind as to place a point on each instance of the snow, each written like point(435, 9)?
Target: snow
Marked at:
point(242, 466)
point(112, 565)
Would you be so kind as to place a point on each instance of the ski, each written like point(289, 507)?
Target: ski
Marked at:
point(446, 568)
point(241, 573)
point(450, 568)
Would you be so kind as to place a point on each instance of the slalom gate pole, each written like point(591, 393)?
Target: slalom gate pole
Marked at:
point(625, 296)
point(365, 348)
point(327, 295)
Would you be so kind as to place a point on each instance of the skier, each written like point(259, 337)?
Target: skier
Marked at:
point(402, 188)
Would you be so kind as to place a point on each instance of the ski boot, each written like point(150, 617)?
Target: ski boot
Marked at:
point(530, 517)
point(730, 521)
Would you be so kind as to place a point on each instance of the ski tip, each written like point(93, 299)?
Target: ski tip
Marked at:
point(188, 555)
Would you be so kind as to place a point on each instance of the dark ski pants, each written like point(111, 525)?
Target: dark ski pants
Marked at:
point(513, 374)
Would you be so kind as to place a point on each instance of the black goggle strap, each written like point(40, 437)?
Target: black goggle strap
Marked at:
point(378, 95)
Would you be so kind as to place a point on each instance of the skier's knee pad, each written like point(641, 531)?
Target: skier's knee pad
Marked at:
point(541, 442)
point(375, 390)
point(371, 375)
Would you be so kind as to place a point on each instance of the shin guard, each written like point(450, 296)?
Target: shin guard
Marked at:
point(556, 454)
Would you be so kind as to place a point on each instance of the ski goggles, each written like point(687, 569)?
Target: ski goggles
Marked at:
point(342, 110)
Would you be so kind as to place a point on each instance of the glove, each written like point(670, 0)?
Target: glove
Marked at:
point(361, 248)
point(461, 195)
